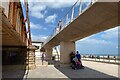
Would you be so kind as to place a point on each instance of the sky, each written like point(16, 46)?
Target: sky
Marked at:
point(45, 15)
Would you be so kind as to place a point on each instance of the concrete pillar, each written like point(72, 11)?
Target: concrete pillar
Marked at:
point(65, 49)
point(31, 57)
point(48, 52)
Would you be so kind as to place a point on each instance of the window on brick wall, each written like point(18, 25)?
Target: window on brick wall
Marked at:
point(11, 12)
point(18, 23)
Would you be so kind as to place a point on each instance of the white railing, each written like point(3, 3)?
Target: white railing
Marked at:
point(106, 59)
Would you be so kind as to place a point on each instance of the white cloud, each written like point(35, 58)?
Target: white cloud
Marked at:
point(96, 46)
point(41, 38)
point(52, 0)
point(51, 18)
point(72, 0)
point(105, 38)
point(36, 10)
point(38, 7)
point(110, 34)
point(55, 4)
point(87, 38)
point(37, 15)
point(101, 43)
point(35, 26)
point(94, 41)
point(51, 25)
point(44, 28)
point(45, 12)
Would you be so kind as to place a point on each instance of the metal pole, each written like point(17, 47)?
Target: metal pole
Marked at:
point(115, 59)
point(72, 15)
point(95, 57)
point(67, 19)
point(103, 58)
point(80, 7)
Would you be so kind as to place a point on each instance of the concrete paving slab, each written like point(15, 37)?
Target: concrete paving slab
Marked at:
point(92, 70)
point(45, 72)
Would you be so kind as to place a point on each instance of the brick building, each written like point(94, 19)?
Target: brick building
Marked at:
point(13, 37)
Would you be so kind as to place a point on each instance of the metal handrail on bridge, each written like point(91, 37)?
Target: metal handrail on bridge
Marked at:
point(70, 16)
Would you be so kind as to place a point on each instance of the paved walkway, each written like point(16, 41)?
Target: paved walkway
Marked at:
point(109, 69)
point(92, 70)
point(43, 72)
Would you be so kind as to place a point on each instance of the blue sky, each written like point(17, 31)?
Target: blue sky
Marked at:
point(45, 14)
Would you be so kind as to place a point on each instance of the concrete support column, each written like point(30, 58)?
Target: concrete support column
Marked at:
point(31, 57)
point(49, 54)
point(65, 49)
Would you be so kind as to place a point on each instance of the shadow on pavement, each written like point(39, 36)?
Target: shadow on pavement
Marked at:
point(86, 73)
point(13, 63)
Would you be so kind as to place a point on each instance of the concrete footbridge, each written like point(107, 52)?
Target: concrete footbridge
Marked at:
point(93, 16)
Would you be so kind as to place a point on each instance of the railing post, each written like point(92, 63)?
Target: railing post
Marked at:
point(99, 58)
point(67, 19)
point(103, 58)
point(109, 58)
point(92, 1)
point(95, 57)
point(115, 59)
point(80, 7)
point(72, 15)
